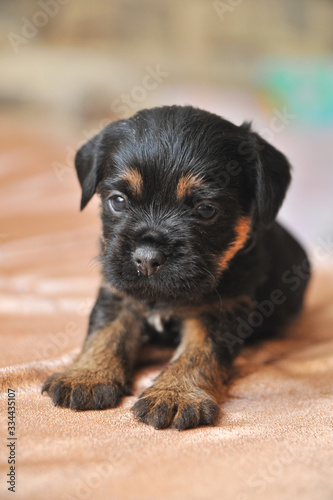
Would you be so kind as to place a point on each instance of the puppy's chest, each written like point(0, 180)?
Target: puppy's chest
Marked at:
point(157, 321)
point(162, 328)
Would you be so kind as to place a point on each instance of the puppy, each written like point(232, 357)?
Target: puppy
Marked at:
point(190, 251)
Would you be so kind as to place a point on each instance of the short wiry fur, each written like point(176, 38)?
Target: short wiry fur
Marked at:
point(215, 281)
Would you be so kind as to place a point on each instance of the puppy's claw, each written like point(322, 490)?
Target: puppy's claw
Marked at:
point(106, 396)
point(48, 382)
point(141, 407)
point(167, 408)
point(83, 391)
point(209, 412)
point(187, 418)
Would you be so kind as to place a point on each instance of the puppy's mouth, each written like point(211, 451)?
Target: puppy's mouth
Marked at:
point(166, 282)
point(158, 271)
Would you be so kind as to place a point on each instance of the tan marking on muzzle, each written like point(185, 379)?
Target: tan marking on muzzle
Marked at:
point(242, 229)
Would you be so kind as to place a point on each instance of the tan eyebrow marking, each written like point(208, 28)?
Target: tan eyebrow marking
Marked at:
point(133, 177)
point(186, 183)
point(242, 228)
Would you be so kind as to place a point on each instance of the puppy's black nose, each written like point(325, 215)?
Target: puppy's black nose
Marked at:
point(148, 260)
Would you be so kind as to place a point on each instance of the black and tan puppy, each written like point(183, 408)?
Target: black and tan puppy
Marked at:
point(188, 202)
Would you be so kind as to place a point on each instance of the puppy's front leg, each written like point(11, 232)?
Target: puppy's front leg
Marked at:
point(186, 394)
point(102, 373)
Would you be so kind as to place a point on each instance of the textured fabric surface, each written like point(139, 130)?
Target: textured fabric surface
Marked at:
point(274, 438)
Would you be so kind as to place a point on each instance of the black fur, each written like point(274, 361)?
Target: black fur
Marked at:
point(244, 178)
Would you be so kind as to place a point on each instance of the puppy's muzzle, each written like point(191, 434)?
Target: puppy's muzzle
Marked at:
point(148, 260)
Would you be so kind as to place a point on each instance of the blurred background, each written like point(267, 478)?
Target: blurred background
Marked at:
point(68, 67)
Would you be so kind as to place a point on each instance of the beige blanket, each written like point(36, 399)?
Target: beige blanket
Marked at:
point(274, 439)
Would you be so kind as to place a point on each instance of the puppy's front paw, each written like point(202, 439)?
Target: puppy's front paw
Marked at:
point(174, 407)
point(80, 389)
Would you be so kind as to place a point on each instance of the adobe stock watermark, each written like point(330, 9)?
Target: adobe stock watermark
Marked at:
point(261, 311)
point(274, 471)
point(279, 120)
point(293, 278)
point(223, 8)
point(324, 248)
point(92, 481)
point(31, 27)
point(57, 342)
point(125, 105)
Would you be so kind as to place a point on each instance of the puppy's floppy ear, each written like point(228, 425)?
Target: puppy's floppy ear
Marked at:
point(272, 179)
point(88, 167)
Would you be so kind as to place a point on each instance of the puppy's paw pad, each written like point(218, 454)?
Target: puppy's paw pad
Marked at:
point(180, 409)
point(83, 391)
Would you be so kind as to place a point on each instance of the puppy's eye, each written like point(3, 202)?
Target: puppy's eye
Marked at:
point(205, 211)
point(118, 203)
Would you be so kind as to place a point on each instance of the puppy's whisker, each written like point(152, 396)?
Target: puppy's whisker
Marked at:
point(94, 263)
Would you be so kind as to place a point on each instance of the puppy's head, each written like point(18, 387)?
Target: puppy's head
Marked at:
point(181, 191)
